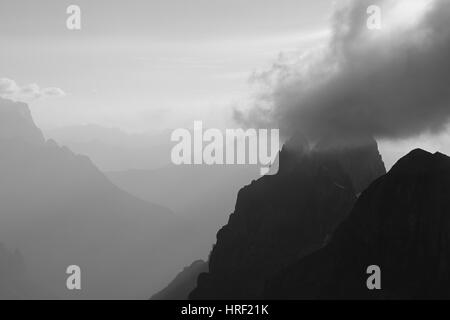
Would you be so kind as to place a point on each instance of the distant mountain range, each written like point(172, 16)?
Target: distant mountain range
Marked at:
point(114, 150)
point(203, 195)
point(58, 209)
point(140, 164)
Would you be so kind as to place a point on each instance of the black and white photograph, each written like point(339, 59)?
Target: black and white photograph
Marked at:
point(225, 155)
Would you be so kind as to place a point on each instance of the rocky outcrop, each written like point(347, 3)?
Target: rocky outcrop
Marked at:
point(279, 219)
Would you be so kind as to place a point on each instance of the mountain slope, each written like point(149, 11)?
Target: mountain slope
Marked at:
point(400, 223)
point(180, 287)
point(59, 210)
point(112, 149)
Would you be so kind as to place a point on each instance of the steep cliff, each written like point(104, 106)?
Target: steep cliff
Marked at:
point(279, 219)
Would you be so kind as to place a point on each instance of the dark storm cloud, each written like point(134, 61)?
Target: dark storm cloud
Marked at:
point(389, 83)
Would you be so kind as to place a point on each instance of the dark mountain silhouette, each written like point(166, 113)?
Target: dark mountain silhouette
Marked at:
point(279, 219)
point(183, 284)
point(59, 210)
point(400, 223)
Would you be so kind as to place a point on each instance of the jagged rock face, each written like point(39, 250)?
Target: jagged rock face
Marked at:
point(183, 283)
point(279, 219)
point(361, 162)
point(400, 223)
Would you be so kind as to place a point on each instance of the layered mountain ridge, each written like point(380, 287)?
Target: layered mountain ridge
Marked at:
point(400, 223)
point(58, 209)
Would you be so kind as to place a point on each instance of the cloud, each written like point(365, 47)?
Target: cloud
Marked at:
point(10, 89)
point(53, 92)
point(389, 83)
point(8, 86)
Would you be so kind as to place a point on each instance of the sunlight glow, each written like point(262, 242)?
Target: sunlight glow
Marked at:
point(405, 13)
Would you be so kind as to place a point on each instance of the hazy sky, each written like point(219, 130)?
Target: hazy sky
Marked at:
point(148, 65)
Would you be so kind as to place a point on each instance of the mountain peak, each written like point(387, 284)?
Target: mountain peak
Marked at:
point(358, 157)
point(419, 160)
point(280, 218)
point(16, 123)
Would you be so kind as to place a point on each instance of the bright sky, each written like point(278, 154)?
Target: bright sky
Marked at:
point(145, 65)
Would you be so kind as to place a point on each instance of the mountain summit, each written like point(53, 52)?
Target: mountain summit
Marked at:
point(16, 123)
point(279, 219)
